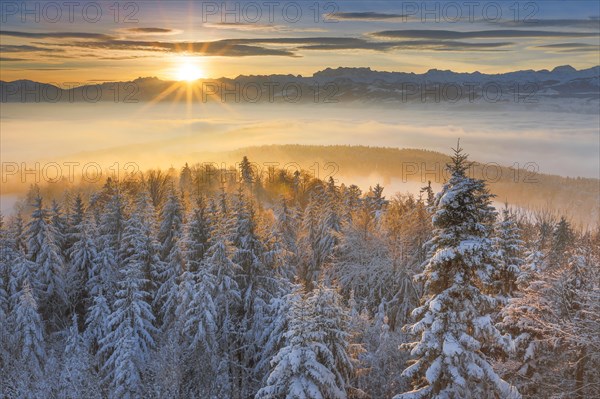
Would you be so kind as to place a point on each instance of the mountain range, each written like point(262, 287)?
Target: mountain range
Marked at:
point(542, 88)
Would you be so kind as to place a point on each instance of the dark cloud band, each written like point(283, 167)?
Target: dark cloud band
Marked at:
point(482, 34)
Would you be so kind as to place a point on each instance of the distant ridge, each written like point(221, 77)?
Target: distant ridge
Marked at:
point(340, 85)
point(577, 197)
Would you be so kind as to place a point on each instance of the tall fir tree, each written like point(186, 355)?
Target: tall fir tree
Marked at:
point(197, 235)
point(77, 376)
point(30, 336)
point(334, 321)
point(303, 366)
point(46, 254)
point(454, 320)
point(139, 245)
point(510, 253)
point(257, 286)
point(96, 325)
point(131, 334)
point(83, 254)
point(227, 296)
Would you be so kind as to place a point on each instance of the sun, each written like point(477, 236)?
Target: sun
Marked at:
point(189, 71)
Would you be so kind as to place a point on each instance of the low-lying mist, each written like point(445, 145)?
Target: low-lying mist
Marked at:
point(49, 142)
point(161, 135)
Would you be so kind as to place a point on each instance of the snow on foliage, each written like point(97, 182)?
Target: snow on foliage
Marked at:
point(286, 286)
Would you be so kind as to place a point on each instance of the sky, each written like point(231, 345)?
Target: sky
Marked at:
point(94, 41)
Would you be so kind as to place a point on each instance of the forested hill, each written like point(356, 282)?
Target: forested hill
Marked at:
point(401, 170)
point(397, 170)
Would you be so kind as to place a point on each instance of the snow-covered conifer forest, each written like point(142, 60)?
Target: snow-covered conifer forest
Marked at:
point(189, 284)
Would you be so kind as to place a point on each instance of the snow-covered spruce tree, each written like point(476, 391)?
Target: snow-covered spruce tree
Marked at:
point(197, 235)
point(246, 171)
point(131, 337)
point(376, 200)
point(351, 199)
point(333, 320)
point(45, 253)
point(273, 336)
point(111, 220)
point(77, 376)
point(510, 253)
point(16, 235)
point(172, 256)
point(227, 296)
point(30, 342)
point(60, 226)
point(166, 365)
point(331, 218)
point(286, 232)
point(197, 314)
point(562, 241)
point(18, 269)
point(258, 284)
point(454, 320)
point(428, 191)
point(83, 254)
point(171, 224)
point(103, 276)
point(315, 241)
point(6, 256)
point(75, 216)
point(186, 179)
point(130, 325)
point(96, 325)
point(186, 359)
point(302, 368)
point(138, 244)
point(4, 289)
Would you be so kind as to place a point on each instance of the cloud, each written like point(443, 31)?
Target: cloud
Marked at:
point(482, 34)
point(432, 45)
point(126, 57)
point(426, 40)
point(245, 26)
point(570, 47)
point(56, 35)
point(256, 47)
point(8, 59)
point(150, 30)
point(224, 48)
point(256, 27)
point(591, 23)
point(297, 40)
point(49, 69)
point(364, 16)
point(7, 48)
